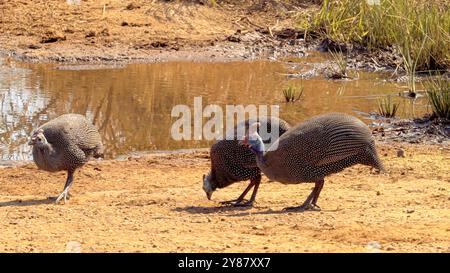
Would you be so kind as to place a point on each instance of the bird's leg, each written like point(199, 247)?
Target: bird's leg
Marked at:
point(318, 187)
point(241, 197)
point(67, 186)
point(250, 202)
point(310, 202)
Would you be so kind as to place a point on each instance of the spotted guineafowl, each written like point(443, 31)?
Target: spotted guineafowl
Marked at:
point(65, 144)
point(310, 151)
point(231, 162)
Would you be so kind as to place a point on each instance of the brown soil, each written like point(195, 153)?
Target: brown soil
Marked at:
point(155, 203)
point(140, 30)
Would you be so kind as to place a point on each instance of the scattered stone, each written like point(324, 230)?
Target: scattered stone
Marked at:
point(234, 38)
point(410, 210)
point(52, 37)
point(73, 247)
point(132, 6)
point(104, 32)
point(373, 246)
point(69, 30)
point(158, 44)
point(425, 130)
point(90, 33)
point(34, 46)
point(400, 153)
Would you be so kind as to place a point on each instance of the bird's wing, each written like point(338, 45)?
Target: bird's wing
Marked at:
point(342, 141)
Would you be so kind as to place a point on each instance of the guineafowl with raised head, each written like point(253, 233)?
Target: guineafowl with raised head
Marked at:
point(65, 144)
point(313, 149)
point(232, 162)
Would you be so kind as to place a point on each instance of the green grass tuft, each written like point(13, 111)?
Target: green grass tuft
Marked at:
point(292, 93)
point(438, 93)
point(387, 108)
point(417, 29)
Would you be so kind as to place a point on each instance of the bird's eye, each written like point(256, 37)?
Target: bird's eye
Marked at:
point(38, 139)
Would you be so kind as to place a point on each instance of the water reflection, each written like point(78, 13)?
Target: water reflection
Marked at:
point(131, 105)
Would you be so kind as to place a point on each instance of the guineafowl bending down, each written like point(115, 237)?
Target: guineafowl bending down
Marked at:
point(310, 151)
point(65, 144)
point(231, 162)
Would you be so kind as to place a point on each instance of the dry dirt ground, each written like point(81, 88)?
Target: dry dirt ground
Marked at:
point(142, 30)
point(155, 203)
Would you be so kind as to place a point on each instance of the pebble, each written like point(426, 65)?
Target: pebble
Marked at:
point(73, 247)
point(373, 246)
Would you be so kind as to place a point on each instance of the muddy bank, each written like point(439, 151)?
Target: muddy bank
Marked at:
point(155, 203)
point(148, 31)
point(143, 31)
point(424, 130)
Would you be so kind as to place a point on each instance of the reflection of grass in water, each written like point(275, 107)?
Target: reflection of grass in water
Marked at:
point(438, 89)
point(387, 108)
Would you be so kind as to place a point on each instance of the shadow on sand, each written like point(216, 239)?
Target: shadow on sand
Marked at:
point(24, 203)
point(240, 211)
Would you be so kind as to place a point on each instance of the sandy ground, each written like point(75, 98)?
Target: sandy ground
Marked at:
point(155, 203)
point(142, 30)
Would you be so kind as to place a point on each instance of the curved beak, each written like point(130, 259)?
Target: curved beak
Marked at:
point(208, 195)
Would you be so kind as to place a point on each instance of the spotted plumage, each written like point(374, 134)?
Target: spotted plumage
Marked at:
point(65, 144)
point(231, 162)
point(316, 148)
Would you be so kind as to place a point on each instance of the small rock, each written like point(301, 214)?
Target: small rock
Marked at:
point(90, 33)
point(52, 37)
point(410, 210)
point(258, 227)
point(400, 153)
point(373, 246)
point(132, 6)
point(73, 247)
point(34, 46)
point(378, 193)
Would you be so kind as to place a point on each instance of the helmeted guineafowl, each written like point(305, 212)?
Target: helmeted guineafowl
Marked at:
point(231, 162)
point(310, 151)
point(65, 144)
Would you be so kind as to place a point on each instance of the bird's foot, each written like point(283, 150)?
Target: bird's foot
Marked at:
point(238, 203)
point(304, 207)
point(58, 198)
point(229, 202)
point(248, 203)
